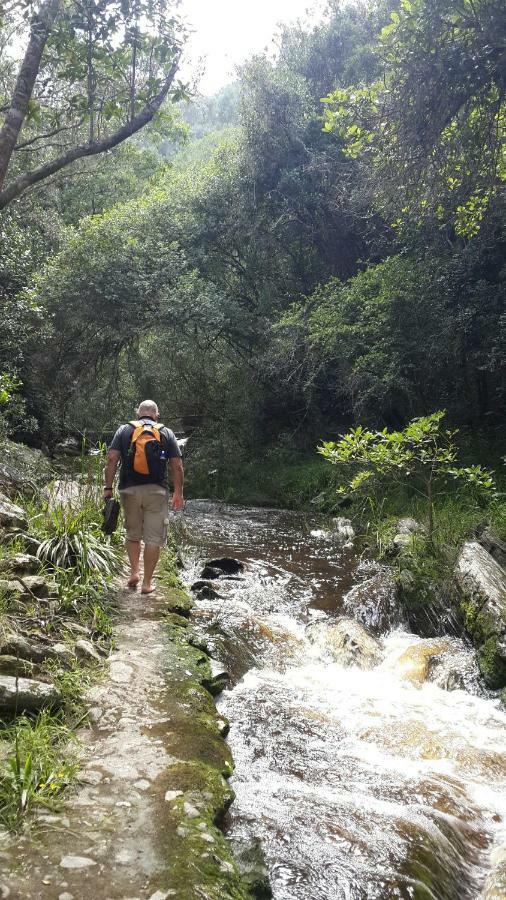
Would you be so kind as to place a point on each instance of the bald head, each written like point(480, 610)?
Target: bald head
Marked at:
point(148, 408)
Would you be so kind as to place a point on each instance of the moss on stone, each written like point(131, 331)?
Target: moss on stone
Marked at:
point(198, 794)
point(492, 663)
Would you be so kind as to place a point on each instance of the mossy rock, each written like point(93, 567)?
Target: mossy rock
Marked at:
point(482, 584)
point(492, 663)
point(179, 602)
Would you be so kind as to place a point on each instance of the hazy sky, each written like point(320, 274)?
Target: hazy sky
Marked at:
point(228, 31)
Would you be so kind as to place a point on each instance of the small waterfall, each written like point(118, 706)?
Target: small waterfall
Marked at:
point(360, 772)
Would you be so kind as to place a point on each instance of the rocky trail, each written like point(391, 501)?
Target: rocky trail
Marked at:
point(141, 824)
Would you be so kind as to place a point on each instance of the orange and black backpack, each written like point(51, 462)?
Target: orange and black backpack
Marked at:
point(147, 453)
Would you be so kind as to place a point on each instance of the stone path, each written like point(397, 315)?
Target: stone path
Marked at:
point(124, 833)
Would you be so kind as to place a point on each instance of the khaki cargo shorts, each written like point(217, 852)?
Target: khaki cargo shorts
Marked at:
point(146, 509)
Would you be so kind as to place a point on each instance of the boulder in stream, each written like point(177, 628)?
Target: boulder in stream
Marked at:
point(456, 669)
point(348, 642)
point(376, 603)
point(210, 572)
point(413, 664)
point(482, 584)
point(26, 694)
point(342, 530)
point(225, 565)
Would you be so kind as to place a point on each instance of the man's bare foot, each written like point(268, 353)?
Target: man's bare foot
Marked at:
point(133, 581)
point(147, 589)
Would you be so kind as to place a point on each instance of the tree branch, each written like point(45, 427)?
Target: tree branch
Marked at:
point(49, 134)
point(93, 148)
point(40, 30)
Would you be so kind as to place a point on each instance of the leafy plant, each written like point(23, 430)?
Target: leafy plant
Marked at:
point(38, 767)
point(421, 454)
point(77, 543)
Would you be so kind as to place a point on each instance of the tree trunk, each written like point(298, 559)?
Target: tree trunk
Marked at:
point(40, 30)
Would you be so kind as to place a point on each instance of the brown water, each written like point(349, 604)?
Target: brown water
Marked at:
point(358, 784)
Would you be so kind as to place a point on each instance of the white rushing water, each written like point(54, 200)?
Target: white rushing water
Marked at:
point(357, 783)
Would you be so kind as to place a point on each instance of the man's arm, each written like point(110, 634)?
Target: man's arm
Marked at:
point(113, 458)
point(177, 475)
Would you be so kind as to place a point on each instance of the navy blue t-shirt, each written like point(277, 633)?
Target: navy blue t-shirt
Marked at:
point(121, 441)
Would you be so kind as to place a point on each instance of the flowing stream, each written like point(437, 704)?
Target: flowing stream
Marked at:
point(356, 782)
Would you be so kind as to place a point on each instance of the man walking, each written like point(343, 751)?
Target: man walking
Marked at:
point(145, 449)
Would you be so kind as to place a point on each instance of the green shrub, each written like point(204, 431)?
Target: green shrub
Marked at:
point(38, 766)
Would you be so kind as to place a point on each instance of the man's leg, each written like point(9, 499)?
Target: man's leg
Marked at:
point(132, 510)
point(151, 557)
point(133, 549)
point(154, 530)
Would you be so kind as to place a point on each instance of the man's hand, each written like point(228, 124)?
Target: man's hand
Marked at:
point(177, 502)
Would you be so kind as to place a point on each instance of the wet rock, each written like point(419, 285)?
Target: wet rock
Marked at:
point(219, 679)
point(413, 664)
point(252, 865)
point(348, 642)
point(208, 593)
point(210, 572)
point(482, 584)
point(376, 603)
point(11, 516)
point(430, 607)
point(226, 565)
point(495, 885)
point(342, 530)
point(24, 694)
point(198, 585)
point(85, 650)
point(20, 563)
point(456, 669)
point(179, 602)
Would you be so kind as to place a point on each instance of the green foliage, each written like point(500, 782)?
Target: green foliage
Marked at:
point(37, 767)
point(432, 126)
point(422, 454)
point(406, 333)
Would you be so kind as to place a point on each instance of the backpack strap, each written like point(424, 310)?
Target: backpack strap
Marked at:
point(139, 427)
